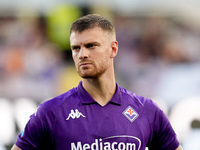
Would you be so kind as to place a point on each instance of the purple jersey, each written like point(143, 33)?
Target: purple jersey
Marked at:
point(75, 121)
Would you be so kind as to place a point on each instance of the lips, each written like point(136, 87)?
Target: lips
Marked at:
point(85, 64)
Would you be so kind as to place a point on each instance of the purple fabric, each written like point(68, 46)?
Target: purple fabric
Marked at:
point(74, 121)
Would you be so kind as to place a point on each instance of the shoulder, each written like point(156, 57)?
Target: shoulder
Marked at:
point(145, 106)
point(53, 105)
point(140, 100)
point(160, 127)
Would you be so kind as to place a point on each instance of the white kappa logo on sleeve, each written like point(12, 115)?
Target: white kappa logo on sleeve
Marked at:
point(75, 114)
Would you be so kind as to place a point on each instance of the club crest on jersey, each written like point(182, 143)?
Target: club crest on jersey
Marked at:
point(130, 114)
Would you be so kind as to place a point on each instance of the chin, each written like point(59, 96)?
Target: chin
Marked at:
point(88, 76)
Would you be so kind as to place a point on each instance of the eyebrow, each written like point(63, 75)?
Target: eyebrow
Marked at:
point(85, 44)
point(94, 43)
point(74, 46)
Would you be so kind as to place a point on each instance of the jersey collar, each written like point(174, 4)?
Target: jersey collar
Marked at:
point(87, 99)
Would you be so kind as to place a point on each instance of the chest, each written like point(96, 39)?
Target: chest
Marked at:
point(96, 127)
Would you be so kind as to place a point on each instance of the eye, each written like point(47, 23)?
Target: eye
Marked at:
point(90, 46)
point(75, 48)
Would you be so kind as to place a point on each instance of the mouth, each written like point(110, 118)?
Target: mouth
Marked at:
point(85, 64)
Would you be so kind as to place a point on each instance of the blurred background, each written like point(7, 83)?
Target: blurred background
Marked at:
point(159, 57)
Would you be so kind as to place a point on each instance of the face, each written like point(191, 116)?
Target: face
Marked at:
point(93, 51)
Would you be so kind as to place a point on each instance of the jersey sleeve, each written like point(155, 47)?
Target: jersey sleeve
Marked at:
point(36, 134)
point(163, 136)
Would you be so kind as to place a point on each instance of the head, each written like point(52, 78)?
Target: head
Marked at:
point(91, 21)
point(93, 43)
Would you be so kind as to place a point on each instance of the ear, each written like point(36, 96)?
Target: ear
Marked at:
point(114, 46)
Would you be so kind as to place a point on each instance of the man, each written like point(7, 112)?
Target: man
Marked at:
point(98, 114)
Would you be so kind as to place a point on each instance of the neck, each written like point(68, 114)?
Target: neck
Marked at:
point(101, 90)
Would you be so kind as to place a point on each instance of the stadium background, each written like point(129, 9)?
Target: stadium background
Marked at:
point(159, 57)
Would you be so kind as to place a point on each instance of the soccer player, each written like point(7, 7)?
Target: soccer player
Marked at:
point(98, 114)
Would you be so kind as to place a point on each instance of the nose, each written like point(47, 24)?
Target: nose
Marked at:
point(83, 53)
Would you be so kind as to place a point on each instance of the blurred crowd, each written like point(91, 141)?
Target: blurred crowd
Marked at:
point(159, 57)
point(29, 62)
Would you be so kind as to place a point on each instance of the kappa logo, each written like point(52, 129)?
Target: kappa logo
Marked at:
point(75, 114)
point(130, 113)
